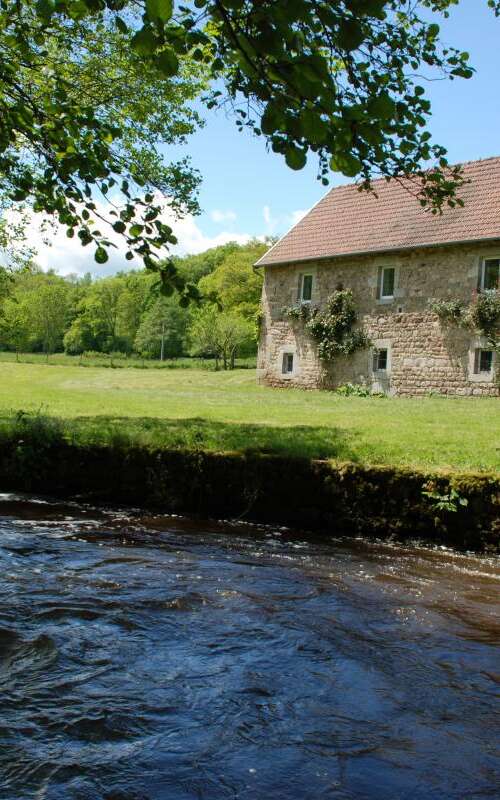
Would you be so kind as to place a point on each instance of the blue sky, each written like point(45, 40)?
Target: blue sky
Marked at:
point(248, 191)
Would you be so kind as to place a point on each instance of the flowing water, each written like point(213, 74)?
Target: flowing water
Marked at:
point(147, 658)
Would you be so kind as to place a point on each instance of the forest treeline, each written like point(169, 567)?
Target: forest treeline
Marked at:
point(46, 312)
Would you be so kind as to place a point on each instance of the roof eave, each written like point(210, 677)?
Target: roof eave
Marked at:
point(379, 251)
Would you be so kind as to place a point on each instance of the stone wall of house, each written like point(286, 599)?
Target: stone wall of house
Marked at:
point(425, 356)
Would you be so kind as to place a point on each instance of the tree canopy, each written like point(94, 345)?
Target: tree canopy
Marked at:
point(120, 314)
point(89, 87)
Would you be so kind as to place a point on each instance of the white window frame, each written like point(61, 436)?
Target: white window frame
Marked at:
point(480, 343)
point(301, 287)
point(385, 298)
point(380, 265)
point(483, 272)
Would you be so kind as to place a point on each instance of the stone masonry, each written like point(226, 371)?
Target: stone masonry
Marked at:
point(423, 355)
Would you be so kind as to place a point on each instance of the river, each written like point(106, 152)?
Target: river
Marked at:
point(158, 658)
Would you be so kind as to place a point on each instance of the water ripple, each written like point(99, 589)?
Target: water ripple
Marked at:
point(156, 658)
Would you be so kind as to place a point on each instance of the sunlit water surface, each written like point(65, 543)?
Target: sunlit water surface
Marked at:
point(151, 658)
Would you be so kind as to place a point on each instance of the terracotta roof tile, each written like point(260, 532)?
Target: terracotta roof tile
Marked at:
point(348, 221)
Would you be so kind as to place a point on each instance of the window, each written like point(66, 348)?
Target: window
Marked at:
point(483, 361)
point(489, 274)
point(380, 360)
point(387, 282)
point(287, 364)
point(306, 285)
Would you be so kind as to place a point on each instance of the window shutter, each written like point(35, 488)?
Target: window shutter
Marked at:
point(379, 283)
point(375, 360)
point(299, 287)
point(477, 355)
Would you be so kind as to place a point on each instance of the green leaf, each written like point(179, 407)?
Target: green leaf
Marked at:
point(159, 9)
point(313, 127)
point(119, 227)
point(350, 34)
point(272, 119)
point(136, 230)
point(144, 42)
point(121, 25)
point(347, 164)
point(101, 255)
point(167, 62)
point(382, 106)
point(295, 158)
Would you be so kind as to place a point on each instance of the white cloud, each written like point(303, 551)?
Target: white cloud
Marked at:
point(56, 251)
point(266, 213)
point(223, 216)
point(282, 222)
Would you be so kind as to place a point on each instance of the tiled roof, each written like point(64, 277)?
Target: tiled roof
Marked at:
point(348, 221)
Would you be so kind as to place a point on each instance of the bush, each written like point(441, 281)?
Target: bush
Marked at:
point(353, 389)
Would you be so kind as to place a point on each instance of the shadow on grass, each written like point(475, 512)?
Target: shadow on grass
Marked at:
point(191, 434)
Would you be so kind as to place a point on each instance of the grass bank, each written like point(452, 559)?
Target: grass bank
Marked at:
point(337, 499)
point(200, 410)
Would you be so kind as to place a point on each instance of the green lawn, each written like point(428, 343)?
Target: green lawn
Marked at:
point(228, 411)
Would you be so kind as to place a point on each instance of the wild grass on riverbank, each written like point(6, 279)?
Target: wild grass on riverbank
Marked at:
point(201, 410)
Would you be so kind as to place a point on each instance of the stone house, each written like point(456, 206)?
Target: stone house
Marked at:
point(395, 257)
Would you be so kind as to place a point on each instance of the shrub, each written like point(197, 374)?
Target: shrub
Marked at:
point(353, 389)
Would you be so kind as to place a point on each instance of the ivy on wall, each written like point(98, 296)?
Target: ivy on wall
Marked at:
point(483, 315)
point(332, 328)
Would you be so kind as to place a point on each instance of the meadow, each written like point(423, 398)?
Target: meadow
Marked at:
point(198, 408)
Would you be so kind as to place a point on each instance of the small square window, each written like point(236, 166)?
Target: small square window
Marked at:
point(490, 273)
point(287, 364)
point(483, 361)
point(306, 288)
point(380, 360)
point(387, 282)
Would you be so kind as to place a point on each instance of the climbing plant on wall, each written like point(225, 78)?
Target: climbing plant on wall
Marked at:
point(332, 328)
point(482, 315)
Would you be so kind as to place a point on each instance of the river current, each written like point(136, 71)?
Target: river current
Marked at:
point(157, 658)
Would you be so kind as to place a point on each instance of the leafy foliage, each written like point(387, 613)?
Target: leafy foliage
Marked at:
point(354, 390)
point(124, 313)
point(162, 331)
point(450, 501)
point(333, 328)
point(221, 335)
point(88, 88)
point(234, 282)
point(482, 315)
point(448, 311)
point(299, 312)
